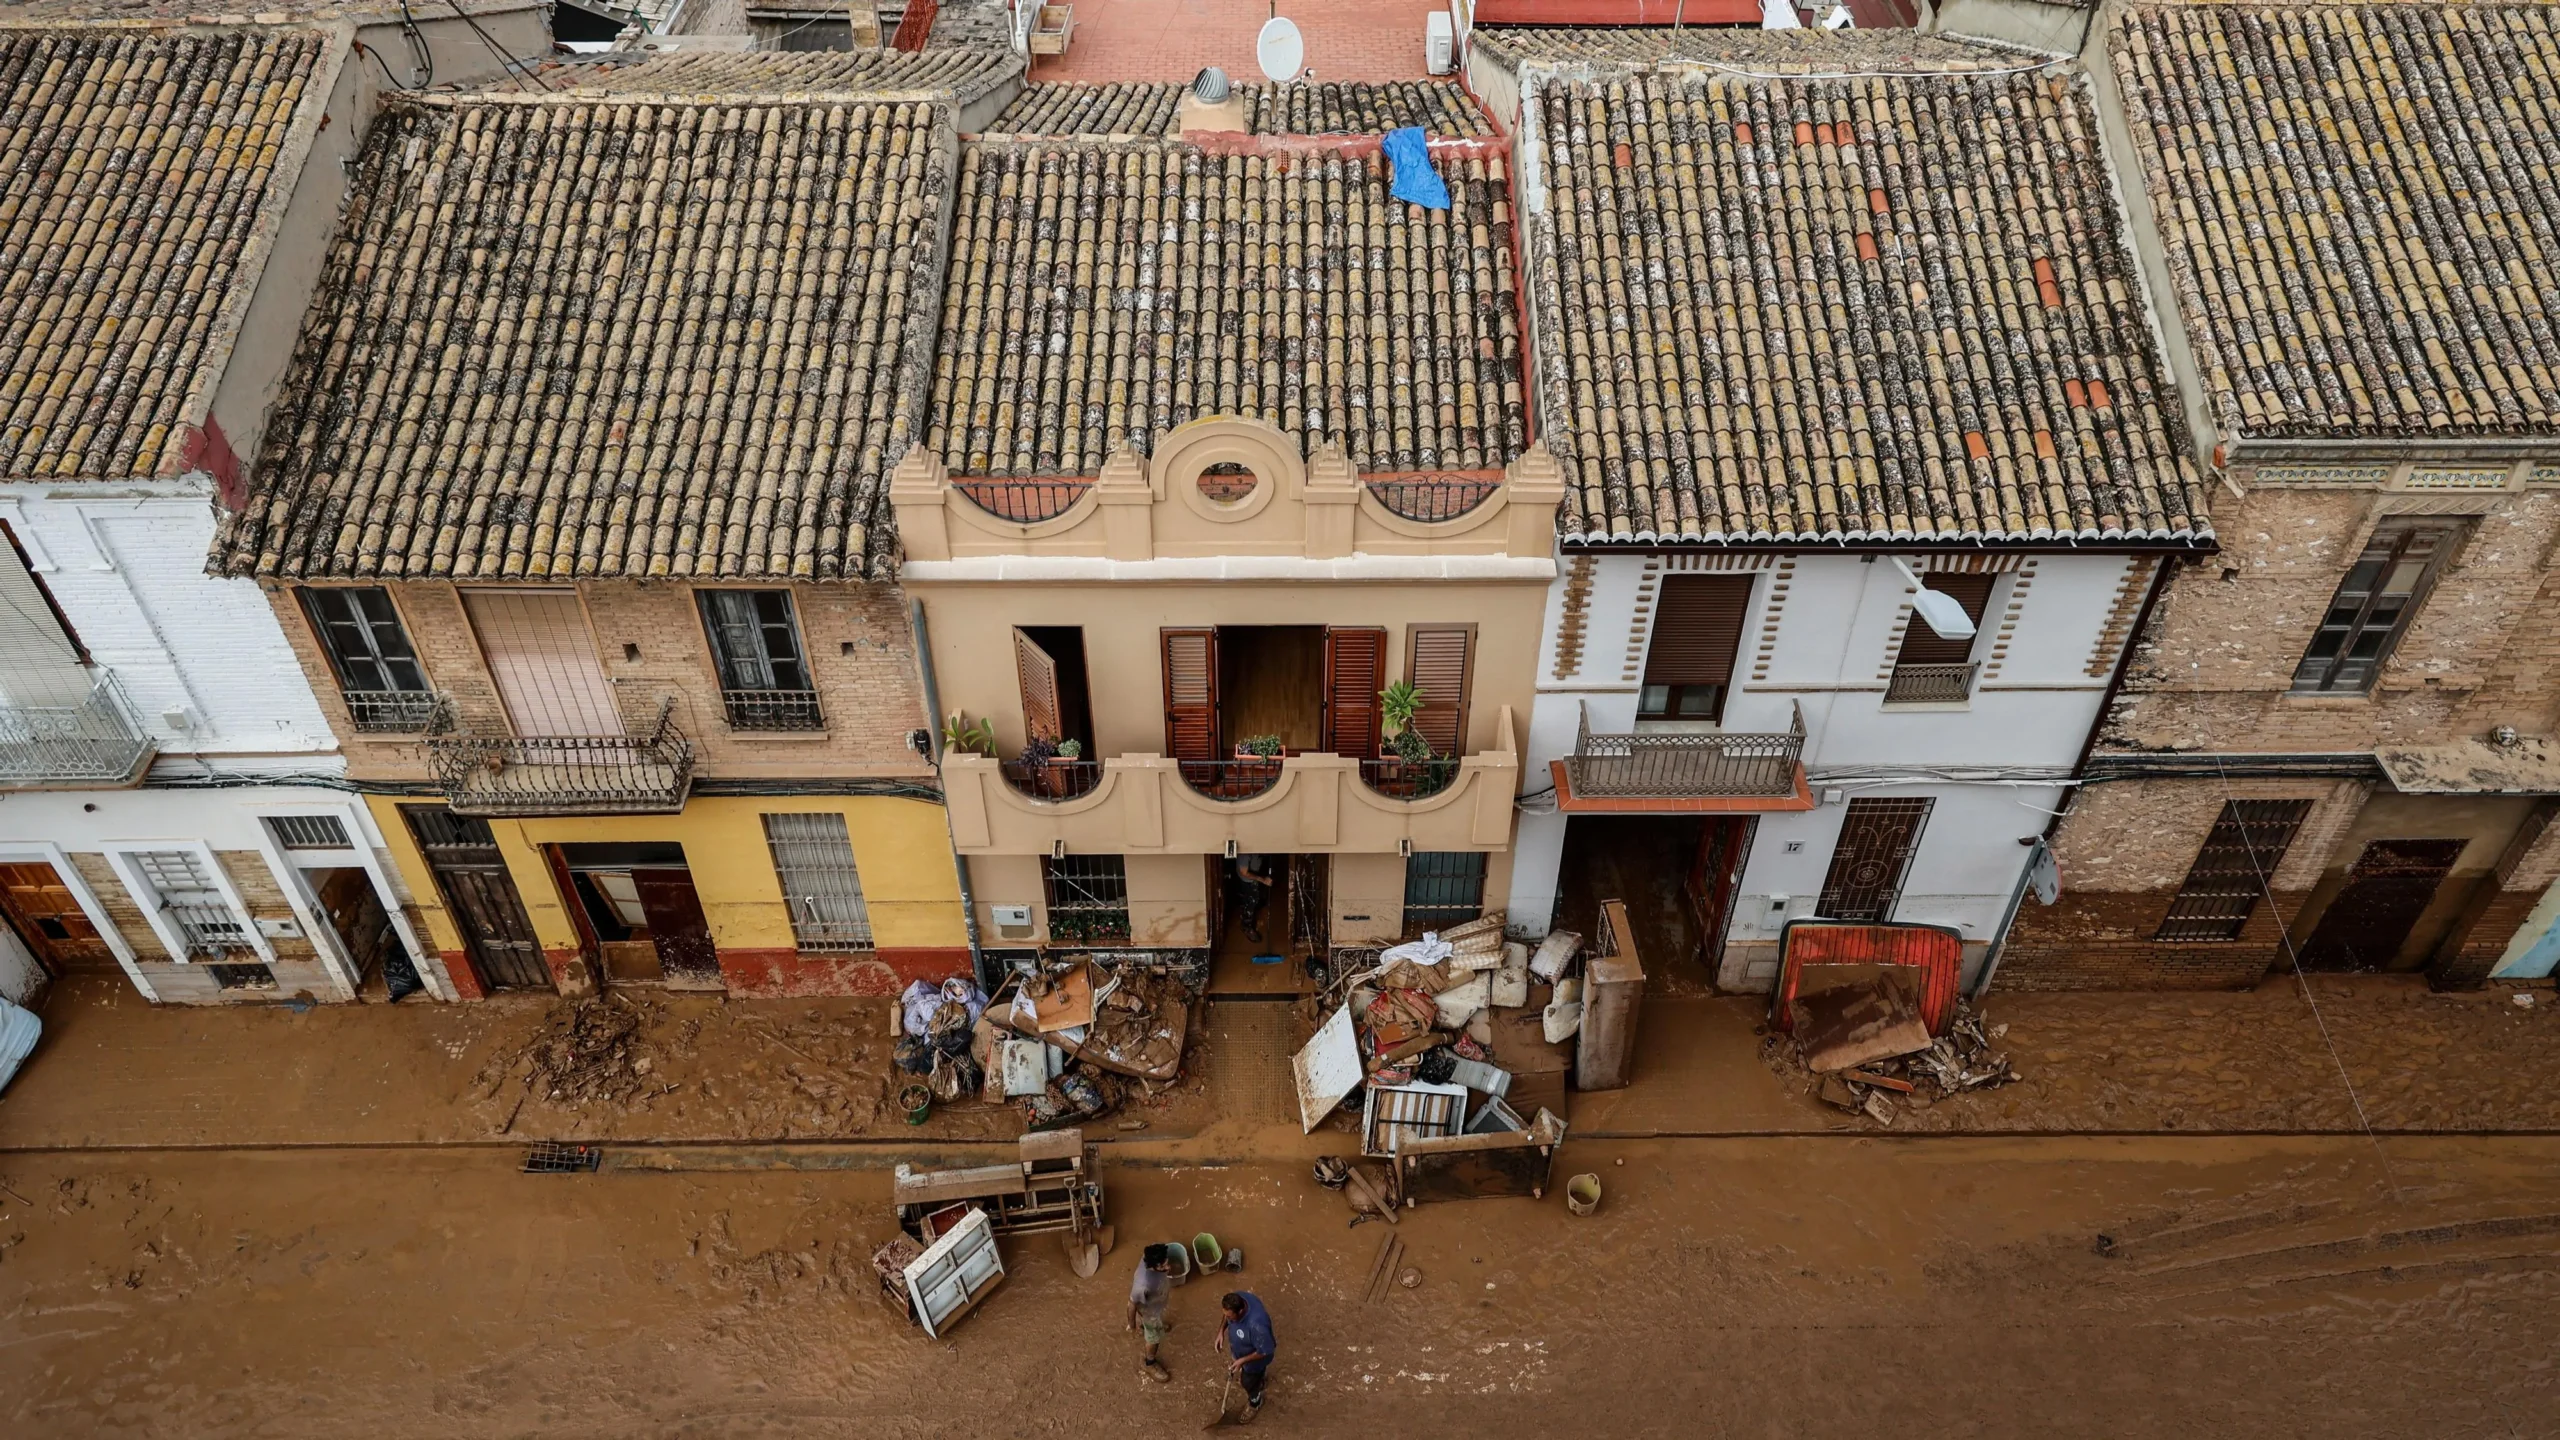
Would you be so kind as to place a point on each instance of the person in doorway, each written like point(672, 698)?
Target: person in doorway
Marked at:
point(1253, 892)
point(1244, 1336)
point(1147, 1296)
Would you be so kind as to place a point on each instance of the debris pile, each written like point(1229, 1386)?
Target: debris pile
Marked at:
point(1071, 1040)
point(588, 1052)
point(1961, 1060)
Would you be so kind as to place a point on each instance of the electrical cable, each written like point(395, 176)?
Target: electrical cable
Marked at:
point(417, 38)
point(385, 64)
point(516, 69)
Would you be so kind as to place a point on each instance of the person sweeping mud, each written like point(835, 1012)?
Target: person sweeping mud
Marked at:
point(1147, 1295)
point(1244, 1337)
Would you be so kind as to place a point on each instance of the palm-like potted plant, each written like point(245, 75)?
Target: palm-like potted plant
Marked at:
point(1398, 706)
point(964, 736)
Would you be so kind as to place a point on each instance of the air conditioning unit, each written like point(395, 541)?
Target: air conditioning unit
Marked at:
point(1439, 43)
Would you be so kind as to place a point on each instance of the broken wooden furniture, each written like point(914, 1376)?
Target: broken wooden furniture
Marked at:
point(1612, 1000)
point(955, 1273)
point(1050, 32)
point(1480, 1166)
point(1049, 1186)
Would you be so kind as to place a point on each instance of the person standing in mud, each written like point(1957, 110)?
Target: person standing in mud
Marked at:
point(1244, 1336)
point(1147, 1295)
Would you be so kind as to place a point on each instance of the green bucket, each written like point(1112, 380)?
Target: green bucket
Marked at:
point(917, 1101)
point(1205, 1251)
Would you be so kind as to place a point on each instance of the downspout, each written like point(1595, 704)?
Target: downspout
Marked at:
point(933, 747)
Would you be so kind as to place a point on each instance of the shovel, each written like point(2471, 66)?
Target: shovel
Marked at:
point(1223, 1392)
point(1085, 1249)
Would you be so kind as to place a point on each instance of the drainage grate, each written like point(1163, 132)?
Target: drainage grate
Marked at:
point(553, 1157)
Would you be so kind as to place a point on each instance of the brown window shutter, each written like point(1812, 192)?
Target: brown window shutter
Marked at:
point(1355, 670)
point(1697, 627)
point(1924, 646)
point(1191, 694)
point(1039, 688)
point(1437, 661)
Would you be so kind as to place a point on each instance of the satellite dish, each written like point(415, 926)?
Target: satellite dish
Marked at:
point(1940, 611)
point(1280, 49)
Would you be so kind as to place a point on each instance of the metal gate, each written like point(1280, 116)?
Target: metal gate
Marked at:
point(2391, 885)
point(1876, 840)
point(1442, 888)
point(482, 897)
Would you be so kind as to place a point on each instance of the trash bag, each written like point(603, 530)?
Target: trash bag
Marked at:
point(956, 1079)
point(954, 1041)
point(915, 1055)
point(1436, 1065)
point(1331, 1171)
point(399, 976)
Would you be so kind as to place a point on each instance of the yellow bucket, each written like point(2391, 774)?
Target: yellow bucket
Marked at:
point(1582, 1194)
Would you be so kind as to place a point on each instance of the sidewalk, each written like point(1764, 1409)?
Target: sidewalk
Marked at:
point(114, 1071)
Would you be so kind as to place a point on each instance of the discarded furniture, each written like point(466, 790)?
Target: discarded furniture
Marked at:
point(1480, 1166)
point(1050, 32)
point(1937, 951)
point(1846, 1015)
point(1328, 1069)
point(1396, 1115)
point(954, 1274)
point(1612, 1000)
point(1049, 1186)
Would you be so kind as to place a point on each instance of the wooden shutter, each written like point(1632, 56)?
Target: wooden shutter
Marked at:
point(1697, 627)
point(544, 662)
point(1924, 646)
point(1437, 661)
point(1039, 688)
point(1355, 670)
point(1191, 694)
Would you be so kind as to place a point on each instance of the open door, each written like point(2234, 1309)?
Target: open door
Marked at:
point(678, 929)
point(1355, 670)
point(1439, 661)
point(1191, 694)
point(1039, 672)
point(45, 915)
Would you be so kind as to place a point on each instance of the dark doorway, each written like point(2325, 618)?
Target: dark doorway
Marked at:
point(678, 928)
point(638, 915)
point(1271, 682)
point(346, 896)
point(49, 919)
point(2388, 888)
point(497, 938)
point(1877, 837)
point(1254, 921)
point(1675, 873)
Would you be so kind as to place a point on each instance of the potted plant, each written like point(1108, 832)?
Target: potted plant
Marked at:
point(1259, 757)
point(1062, 767)
point(964, 736)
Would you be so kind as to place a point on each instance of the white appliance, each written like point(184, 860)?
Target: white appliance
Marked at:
point(1439, 43)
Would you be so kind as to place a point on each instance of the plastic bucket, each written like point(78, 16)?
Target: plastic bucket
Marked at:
point(1205, 1251)
point(917, 1101)
point(1180, 1255)
point(1582, 1194)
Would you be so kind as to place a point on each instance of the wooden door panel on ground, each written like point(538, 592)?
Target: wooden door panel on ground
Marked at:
point(543, 658)
point(49, 919)
point(678, 929)
point(2391, 885)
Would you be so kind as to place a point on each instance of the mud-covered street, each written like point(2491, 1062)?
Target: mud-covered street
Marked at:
point(1811, 1286)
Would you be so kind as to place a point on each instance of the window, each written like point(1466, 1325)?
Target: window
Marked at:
point(242, 977)
point(1442, 888)
point(377, 669)
point(764, 674)
point(2374, 604)
point(1930, 668)
point(183, 890)
point(813, 856)
point(1688, 664)
point(310, 832)
point(1877, 836)
point(2224, 886)
point(1088, 899)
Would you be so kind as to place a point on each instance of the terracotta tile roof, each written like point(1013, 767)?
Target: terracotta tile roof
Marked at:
point(1101, 293)
point(1845, 309)
point(2361, 208)
point(133, 169)
point(1774, 51)
point(708, 73)
point(564, 338)
point(1351, 108)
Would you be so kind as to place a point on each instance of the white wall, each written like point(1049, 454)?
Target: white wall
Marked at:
point(1826, 643)
point(126, 564)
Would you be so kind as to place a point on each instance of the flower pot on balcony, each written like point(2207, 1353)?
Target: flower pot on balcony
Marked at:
point(1058, 777)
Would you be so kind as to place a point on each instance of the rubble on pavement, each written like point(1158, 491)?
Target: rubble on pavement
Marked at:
point(1961, 1061)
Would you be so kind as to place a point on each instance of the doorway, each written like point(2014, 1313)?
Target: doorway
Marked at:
point(36, 904)
point(1253, 950)
point(1676, 874)
point(1271, 682)
point(497, 938)
point(639, 918)
point(1057, 699)
point(2391, 884)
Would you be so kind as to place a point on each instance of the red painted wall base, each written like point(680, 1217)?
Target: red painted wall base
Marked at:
point(789, 973)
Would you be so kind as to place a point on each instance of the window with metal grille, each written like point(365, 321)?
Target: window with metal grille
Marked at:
point(1877, 836)
point(2374, 604)
point(1088, 899)
point(202, 913)
point(764, 672)
point(310, 832)
point(813, 855)
point(366, 644)
point(2229, 877)
point(1442, 888)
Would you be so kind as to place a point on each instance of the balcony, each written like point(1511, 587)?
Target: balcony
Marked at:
point(1409, 779)
point(96, 742)
point(1930, 684)
point(1230, 779)
point(773, 711)
point(1052, 780)
point(1428, 499)
point(399, 712)
point(494, 776)
point(1024, 502)
point(1707, 766)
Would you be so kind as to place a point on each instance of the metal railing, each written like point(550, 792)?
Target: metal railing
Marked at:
point(1685, 763)
point(1052, 779)
point(1930, 684)
point(95, 741)
point(1024, 502)
point(1409, 779)
point(1432, 499)
point(773, 709)
point(400, 712)
point(1230, 779)
point(648, 774)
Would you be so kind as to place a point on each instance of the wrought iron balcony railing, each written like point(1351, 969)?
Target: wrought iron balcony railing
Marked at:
point(95, 742)
point(1431, 499)
point(645, 774)
point(1409, 779)
point(1025, 502)
point(1052, 779)
point(1231, 779)
point(1686, 764)
point(764, 710)
point(400, 712)
point(1930, 684)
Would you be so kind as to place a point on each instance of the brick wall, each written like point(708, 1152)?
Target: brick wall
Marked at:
point(650, 641)
point(298, 968)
